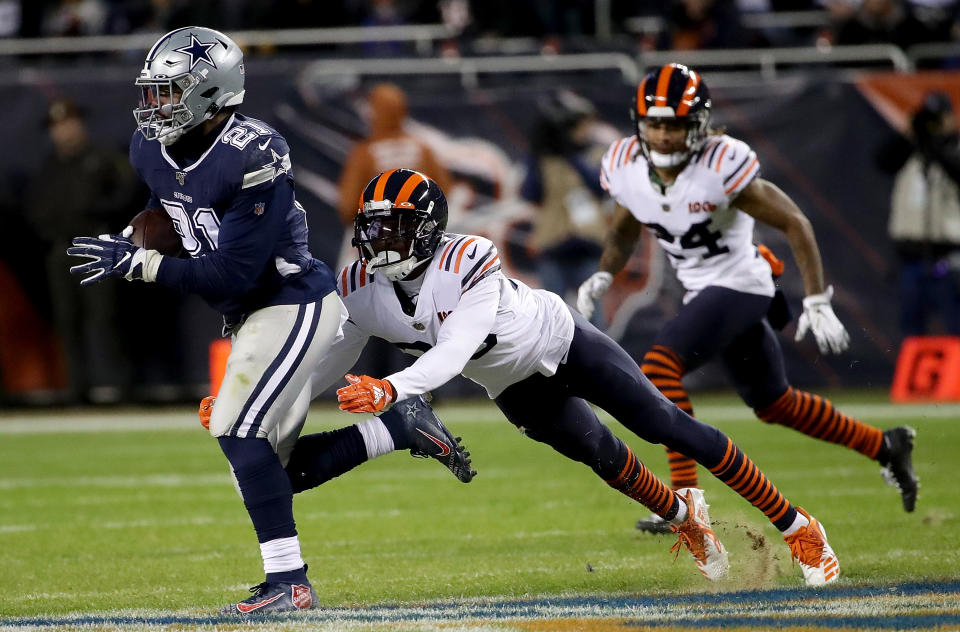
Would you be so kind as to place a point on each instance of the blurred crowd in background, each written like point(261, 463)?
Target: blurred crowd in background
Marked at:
point(91, 345)
point(562, 24)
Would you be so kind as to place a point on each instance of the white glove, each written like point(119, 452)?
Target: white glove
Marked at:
point(592, 289)
point(819, 318)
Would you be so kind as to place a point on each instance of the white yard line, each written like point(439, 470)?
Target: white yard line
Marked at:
point(147, 421)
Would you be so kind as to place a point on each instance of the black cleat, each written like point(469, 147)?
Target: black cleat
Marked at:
point(654, 524)
point(429, 437)
point(275, 598)
point(898, 468)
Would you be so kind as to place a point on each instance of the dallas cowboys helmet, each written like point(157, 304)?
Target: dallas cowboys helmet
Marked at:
point(190, 74)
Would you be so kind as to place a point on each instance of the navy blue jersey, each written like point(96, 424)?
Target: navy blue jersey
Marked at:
point(236, 214)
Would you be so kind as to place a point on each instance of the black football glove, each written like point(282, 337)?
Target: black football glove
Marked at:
point(113, 256)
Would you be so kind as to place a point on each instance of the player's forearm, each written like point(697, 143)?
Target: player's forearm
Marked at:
point(803, 244)
point(431, 371)
point(214, 276)
point(437, 366)
point(620, 242)
point(616, 252)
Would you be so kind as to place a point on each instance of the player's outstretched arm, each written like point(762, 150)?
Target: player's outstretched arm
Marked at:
point(764, 201)
point(462, 333)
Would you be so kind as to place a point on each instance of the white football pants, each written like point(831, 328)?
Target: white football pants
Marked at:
point(267, 380)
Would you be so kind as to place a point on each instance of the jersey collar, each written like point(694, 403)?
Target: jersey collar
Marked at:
point(425, 301)
point(173, 163)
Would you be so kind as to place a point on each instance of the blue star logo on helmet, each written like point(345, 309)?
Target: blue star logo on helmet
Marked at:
point(198, 51)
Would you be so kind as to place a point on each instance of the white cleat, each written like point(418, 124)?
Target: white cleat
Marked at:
point(698, 537)
point(809, 547)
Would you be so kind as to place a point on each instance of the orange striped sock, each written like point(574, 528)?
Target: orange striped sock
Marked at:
point(664, 369)
point(740, 473)
point(640, 484)
point(816, 417)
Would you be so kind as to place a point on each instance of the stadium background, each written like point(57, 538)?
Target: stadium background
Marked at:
point(817, 113)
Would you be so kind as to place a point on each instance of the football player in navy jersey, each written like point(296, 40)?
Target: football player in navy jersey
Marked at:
point(700, 192)
point(227, 183)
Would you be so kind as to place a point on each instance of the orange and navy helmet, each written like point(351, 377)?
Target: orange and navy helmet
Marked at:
point(672, 92)
point(401, 220)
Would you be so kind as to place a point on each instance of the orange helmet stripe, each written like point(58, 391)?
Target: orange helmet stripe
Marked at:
point(663, 84)
point(381, 185)
point(689, 92)
point(412, 183)
point(641, 100)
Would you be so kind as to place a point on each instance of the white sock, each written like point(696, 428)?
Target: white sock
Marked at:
point(376, 437)
point(282, 554)
point(798, 522)
point(681, 512)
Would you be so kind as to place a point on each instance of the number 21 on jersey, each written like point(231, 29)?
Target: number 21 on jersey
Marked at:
point(201, 224)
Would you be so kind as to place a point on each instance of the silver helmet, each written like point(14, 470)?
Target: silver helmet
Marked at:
point(190, 74)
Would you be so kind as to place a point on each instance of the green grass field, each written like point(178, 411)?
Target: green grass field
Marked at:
point(106, 511)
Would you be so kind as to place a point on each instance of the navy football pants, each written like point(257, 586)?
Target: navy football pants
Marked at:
point(732, 325)
point(554, 410)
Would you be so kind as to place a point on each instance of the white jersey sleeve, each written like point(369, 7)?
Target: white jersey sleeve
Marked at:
point(612, 174)
point(460, 335)
point(734, 161)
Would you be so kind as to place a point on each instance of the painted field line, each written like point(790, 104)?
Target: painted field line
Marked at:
point(151, 421)
point(911, 605)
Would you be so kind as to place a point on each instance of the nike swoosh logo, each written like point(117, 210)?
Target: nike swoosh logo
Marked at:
point(125, 257)
point(444, 448)
point(264, 145)
point(473, 253)
point(250, 607)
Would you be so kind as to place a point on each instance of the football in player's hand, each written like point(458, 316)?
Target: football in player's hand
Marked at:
point(153, 230)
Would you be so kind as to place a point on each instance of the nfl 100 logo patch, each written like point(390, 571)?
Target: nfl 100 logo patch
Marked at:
point(258, 208)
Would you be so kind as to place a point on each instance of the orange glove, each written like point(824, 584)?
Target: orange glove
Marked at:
point(206, 409)
point(366, 394)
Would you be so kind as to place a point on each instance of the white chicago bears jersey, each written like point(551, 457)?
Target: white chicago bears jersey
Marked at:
point(469, 318)
point(708, 241)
